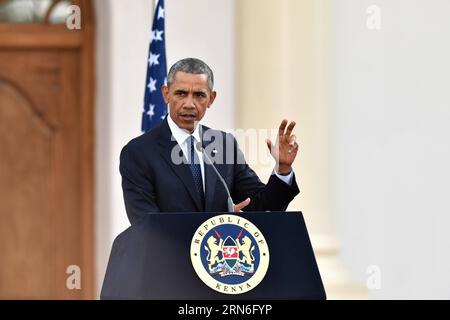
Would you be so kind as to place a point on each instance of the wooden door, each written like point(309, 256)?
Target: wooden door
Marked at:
point(46, 161)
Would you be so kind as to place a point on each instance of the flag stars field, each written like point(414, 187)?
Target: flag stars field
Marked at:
point(161, 13)
point(151, 111)
point(156, 36)
point(155, 108)
point(154, 59)
point(152, 85)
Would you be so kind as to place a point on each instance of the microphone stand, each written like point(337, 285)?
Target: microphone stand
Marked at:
point(230, 202)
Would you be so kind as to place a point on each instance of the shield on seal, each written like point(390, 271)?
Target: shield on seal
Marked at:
point(230, 251)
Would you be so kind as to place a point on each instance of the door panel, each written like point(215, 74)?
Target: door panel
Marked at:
point(40, 172)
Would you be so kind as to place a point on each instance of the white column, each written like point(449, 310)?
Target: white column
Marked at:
point(285, 69)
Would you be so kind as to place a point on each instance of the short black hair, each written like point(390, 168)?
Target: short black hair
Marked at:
point(192, 66)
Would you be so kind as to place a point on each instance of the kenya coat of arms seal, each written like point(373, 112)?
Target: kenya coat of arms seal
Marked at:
point(230, 254)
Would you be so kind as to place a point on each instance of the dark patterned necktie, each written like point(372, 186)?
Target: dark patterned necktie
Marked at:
point(196, 169)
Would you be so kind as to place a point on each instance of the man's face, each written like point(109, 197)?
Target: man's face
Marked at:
point(188, 97)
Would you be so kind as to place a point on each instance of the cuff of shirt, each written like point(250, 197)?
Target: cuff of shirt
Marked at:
point(286, 179)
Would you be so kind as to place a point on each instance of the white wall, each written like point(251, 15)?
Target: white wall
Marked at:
point(205, 29)
point(393, 150)
point(121, 63)
point(197, 28)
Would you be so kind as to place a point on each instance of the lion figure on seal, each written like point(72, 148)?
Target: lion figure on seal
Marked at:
point(246, 249)
point(213, 251)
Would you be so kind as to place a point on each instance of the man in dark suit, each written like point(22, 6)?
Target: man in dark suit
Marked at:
point(166, 170)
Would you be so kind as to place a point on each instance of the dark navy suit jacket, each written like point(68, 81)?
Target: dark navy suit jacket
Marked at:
point(152, 182)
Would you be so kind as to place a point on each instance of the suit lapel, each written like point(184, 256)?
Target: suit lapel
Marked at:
point(168, 145)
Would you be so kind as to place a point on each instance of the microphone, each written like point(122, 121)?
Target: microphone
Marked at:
point(230, 202)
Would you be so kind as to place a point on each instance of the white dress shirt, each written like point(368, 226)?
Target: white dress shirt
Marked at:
point(182, 135)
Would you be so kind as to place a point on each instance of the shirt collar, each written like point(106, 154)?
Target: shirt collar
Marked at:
point(181, 135)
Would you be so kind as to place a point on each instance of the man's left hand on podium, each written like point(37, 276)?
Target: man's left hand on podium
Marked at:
point(242, 205)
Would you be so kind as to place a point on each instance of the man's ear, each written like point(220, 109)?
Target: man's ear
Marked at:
point(212, 98)
point(165, 93)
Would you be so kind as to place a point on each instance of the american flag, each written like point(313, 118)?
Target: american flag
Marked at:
point(155, 108)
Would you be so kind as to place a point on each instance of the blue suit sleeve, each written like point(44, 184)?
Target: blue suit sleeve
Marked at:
point(137, 185)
